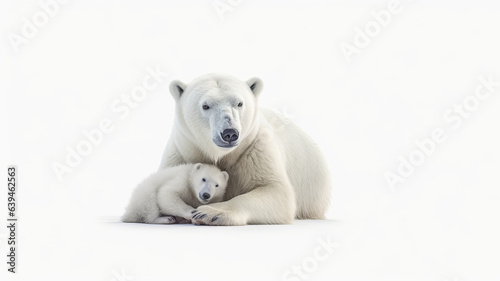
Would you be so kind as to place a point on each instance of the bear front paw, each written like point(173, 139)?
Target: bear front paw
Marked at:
point(208, 215)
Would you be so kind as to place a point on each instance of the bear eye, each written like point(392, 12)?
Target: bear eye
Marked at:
point(240, 104)
point(216, 185)
point(203, 179)
point(206, 107)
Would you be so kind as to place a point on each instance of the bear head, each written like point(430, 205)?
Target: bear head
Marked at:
point(216, 112)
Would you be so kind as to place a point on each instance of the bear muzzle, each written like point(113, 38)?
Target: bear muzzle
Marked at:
point(228, 138)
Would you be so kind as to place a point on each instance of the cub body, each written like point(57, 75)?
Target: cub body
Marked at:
point(171, 194)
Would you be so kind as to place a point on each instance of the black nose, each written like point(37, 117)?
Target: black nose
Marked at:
point(206, 196)
point(230, 135)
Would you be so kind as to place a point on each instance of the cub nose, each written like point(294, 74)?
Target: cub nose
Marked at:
point(205, 195)
point(230, 135)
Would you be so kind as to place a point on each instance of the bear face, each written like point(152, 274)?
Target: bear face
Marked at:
point(216, 111)
point(208, 183)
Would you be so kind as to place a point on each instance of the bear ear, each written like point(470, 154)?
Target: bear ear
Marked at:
point(177, 89)
point(198, 166)
point(255, 85)
point(226, 175)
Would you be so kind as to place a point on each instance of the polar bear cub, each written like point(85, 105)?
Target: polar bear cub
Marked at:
point(170, 195)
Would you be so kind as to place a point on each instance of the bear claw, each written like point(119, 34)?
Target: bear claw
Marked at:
point(199, 216)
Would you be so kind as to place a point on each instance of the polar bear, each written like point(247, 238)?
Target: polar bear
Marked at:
point(170, 195)
point(277, 172)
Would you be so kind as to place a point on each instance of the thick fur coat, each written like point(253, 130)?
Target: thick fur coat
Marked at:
point(277, 171)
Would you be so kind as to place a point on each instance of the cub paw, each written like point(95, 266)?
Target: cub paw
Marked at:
point(165, 220)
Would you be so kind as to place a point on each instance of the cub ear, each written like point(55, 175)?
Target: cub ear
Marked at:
point(177, 89)
point(255, 85)
point(226, 175)
point(198, 166)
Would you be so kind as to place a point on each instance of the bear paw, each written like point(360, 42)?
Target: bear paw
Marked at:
point(165, 220)
point(211, 215)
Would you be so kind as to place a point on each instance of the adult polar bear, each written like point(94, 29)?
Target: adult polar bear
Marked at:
point(276, 175)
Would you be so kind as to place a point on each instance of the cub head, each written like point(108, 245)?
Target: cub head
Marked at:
point(216, 112)
point(208, 183)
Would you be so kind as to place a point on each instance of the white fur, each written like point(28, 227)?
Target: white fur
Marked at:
point(171, 194)
point(277, 172)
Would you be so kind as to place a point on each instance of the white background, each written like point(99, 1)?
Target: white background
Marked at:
point(441, 223)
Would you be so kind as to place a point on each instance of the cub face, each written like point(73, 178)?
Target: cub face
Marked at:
point(208, 183)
